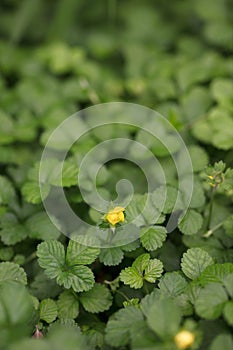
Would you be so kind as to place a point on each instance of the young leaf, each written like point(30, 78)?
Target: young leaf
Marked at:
point(48, 310)
point(190, 223)
point(78, 254)
point(68, 305)
point(98, 299)
point(153, 237)
point(194, 261)
point(153, 270)
point(10, 271)
point(111, 256)
point(33, 193)
point(131, 276)
point(210, 301)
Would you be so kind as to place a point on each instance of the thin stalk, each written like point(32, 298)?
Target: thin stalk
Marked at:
point(210, 208)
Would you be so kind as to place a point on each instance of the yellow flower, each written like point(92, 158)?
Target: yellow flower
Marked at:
point(184, 339)
point(115, 215)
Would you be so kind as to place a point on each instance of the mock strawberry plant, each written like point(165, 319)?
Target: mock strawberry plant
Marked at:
point(142, 259)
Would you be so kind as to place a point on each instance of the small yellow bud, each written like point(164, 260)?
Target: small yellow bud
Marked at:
point(184, 339)
point(210, 177)
point(115, 215)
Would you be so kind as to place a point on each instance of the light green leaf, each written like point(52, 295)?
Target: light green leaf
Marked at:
point(98, 299)
point(131, 276)
point(79, 277)
point(12, 231)
point(210, 301)
point(40, 227)
point(228, 312)
point(194, 261)
point(111, 256)
point(51, 256)
point(33, 193)
point(78, 254)
point(68, 305)
point(172, 284)
point(153, 237)
point(222, 341)
point(141, 262)
point(10, 271)
point(7, 192)
point(190, 223)
point(164, 318)
point(48, 310)
point(6, 253)
point(119, 325)
point(153, 270)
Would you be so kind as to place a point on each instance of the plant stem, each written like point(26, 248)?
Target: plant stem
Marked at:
point(210, 208)
point(30, 258)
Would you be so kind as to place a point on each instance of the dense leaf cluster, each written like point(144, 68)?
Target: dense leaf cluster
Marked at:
point(174, 58)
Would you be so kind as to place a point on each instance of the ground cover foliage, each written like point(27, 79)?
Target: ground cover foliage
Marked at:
point(57, 58)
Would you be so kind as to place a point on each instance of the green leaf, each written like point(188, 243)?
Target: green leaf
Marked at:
point(190, 223)
point(198, 196)
point(16, 310)
point(131, 276)
point(153, 237)
point(153, 270)
point(148, 301)
point(68, 305)
point(141, 262)
point(6, 253)
point(111, 256)
point(79, 277)
point(12, 231)
point(40, 227)
point(172, 284)
point(228, 312)
point(210, 301)
point(228, 283)
point(78, 254)
point(167, 199)
point(118, 327)
point(98, 299)
point(143, 268)
point(7, 192)
point(51, 257)
point(222, 341)
point(142, 210)
point(216, 273)
point(228, 224)
point(33, 193)
point(194, 261)
point(48, 310)
point(198, 157)
point(164, 318)
point(10, 271)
